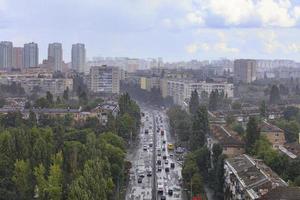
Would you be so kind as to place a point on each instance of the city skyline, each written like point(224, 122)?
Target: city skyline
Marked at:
point(180, 30)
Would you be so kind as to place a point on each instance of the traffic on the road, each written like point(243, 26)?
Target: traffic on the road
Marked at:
point(156, 167)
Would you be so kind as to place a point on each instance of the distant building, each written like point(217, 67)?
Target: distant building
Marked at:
point(18, 57)
point(245, 70)
point(274, 134)
point(181, 90)
point(104, 79)
point(6, 54)
point(248, 179)
point(78, 57)
point(31, 55)
point(55, 56)
point(282, 193)
point(147, 83)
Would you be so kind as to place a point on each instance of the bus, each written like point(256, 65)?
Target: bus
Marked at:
point(170, 146)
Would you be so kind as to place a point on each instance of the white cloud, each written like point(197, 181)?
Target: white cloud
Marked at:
point(293, 47)
point(195, 18)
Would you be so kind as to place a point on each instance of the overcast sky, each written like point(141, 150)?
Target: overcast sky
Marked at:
point(172, 29)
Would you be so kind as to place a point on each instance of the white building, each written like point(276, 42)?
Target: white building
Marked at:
point(181, 90)
point(104, 79)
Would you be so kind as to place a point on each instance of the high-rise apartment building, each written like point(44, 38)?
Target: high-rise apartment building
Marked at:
point(31, 55)
point(55, 56)
point(6, 54)
point(104, 79)
point(18, 57)
point(78, 57)
point(245, 70)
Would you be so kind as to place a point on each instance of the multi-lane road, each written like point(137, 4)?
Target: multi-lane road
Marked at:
point(155, 172)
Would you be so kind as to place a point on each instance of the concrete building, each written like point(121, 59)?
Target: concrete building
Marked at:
point(78, 57)
point(55, 56)
point(181, 90)
point(245, 70)
point(147, 83)
point(104, 79)
point(18, 57)
point(248, 179)
point(6, 54)
point(31, 55)
point(274, 134)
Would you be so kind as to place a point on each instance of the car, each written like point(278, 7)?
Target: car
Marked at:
point(170, 192)
point(173, 165)
point(164, 157)
point(146, 131)
point(149, 173)
point(171, 155)
point(159, 169)
point(164, 149)
point(150, 144)
point(158, 154)
point(158, 162)
point(164, 141)
point(160, 188)
point(163, 197)
point(166, 162)
point(167, 169)
point(140, 180)
point(145, 148)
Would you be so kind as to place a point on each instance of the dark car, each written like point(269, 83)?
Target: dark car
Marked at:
point(170, 192)
point(164, 157)
point(163, 198)
point(149, 173)
point(158, 162)
point(159, 169)
point(140, 180)
point(164, 141)
point(172, 165)
point(167, 169)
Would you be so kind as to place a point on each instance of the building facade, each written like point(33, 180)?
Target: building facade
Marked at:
point(245, 70)
point(31, 55)
point(6, 54)
point(55, 56)
point(18, 57)
point(104, 79)
point(181, 91)
point(274, 134)
point(78, 57)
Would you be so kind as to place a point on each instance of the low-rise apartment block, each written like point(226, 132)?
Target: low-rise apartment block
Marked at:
point(274, 134)
point(248, 179)
point(181, 90)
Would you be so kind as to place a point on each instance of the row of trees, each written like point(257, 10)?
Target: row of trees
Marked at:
point(54, 158)
point(198, 168)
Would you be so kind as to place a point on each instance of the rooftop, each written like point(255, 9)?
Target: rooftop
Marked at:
point(254, 175)
point(267, 127)
point(226, 137)
point(283, 193)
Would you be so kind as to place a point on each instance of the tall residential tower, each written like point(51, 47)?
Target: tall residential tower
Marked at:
point(78, 57)
point(31, 55)
point(55, 56)
point(6, 54)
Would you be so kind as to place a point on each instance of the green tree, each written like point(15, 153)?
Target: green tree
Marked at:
point(22, 178)
point(94, 183)
point(199, 128)
point(66, 94)
point(213, 100)
point(274, 95)
point(252, 134)
point(263, 109)
point(32, 119)
point(41, 181)
point(194, 102)
point(55, 179)
point(49, 97)
point(197, 184)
